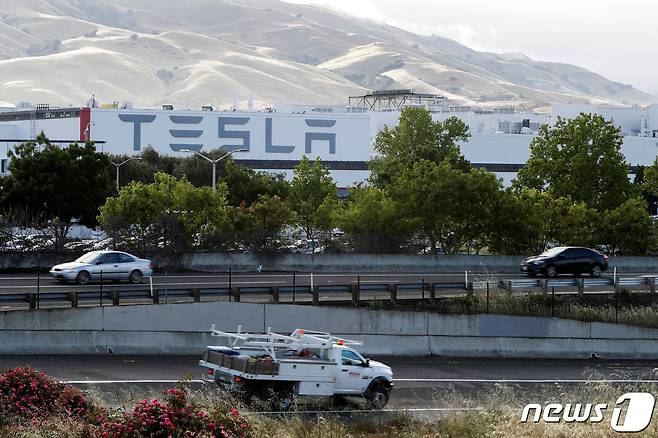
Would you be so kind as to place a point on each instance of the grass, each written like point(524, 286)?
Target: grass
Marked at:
point(499, 416)
point(640, 309)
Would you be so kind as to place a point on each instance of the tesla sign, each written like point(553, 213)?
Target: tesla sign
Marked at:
point(262, 135)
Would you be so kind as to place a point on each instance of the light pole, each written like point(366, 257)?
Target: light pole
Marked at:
point(214, 162)
point(117, 165)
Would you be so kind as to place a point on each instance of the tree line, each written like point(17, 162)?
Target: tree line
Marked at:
point(422, 196)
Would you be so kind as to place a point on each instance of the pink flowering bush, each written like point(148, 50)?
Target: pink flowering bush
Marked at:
point(32, 403)
point(176, 417)
point(29, 394)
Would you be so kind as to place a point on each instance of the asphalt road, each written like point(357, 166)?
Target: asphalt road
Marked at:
point(423, 383)
point(22, 283)
point(452, 284)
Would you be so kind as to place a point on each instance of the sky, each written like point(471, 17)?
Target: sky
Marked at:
point(617, 39)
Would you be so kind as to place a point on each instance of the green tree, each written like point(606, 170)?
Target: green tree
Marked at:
point(246, 185)
point(259, 226)
point(58, 184)
point(516, 226)
point(144, 170)
point(170, 213)
point(313, 197)
point(646, 181)
point(579, 159)
point(417, 137)
point(373, 221)
point(452, 209)
point(628, 229)
point(556, 221)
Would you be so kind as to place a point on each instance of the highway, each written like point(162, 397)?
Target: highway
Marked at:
point(420, 383)
point(176, 287)
point(28, 282)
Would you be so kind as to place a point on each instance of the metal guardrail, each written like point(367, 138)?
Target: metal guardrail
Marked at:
point(632, 281)
point(349, 292)
point(581, 284)
point(591, 282)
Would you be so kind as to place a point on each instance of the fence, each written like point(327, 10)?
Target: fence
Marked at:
point(355, 293)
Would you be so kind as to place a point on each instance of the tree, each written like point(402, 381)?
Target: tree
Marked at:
point(145, 169)
point(628, 229)
point(313, 197)
point(170, 213)
point(259, 226)
point(61, 185)
point(516, 226)
point(452, 209)
point(579, 159)
point(246, 185)
point(646, 181)
point(417, 137)
point(373, 221)
point(549, 221)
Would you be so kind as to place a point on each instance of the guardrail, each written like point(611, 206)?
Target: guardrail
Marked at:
point(345, 292)
point(617, 283)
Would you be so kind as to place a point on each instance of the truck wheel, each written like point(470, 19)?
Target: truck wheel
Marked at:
point(377, 397)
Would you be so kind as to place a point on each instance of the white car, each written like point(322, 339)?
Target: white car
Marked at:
point(112, 265)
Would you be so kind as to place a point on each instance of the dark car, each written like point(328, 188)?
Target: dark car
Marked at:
point(566, 260)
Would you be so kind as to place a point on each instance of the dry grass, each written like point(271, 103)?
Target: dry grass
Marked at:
point(500, 416)
point(539, 304)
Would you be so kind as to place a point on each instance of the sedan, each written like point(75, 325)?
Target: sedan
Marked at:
point(566, 260)
point(108, 265)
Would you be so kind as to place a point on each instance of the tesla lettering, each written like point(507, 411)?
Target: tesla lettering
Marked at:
point(244, 135)
point(186, 134)
point(137, 120)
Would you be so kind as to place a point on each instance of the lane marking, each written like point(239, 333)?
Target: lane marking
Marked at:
point(124, 382)
point(528, 380)
point(370, 411)
point(172, 381)
point(137, 287)
point(300, 275)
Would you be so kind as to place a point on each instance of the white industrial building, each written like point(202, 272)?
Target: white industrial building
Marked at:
point(341, 136)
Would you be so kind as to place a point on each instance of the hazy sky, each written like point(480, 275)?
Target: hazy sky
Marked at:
point(617, 39)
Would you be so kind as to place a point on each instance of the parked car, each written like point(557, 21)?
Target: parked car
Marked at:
point(566, 260)
point(112, 265)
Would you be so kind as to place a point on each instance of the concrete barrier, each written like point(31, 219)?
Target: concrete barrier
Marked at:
point(211, 262)
point(183, 329)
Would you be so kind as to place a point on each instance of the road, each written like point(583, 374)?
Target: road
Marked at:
point(216, 287)
point(22, 283)
point(423, 383)
point(11, 283)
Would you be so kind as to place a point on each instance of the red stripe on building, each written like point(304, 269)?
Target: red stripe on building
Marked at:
point(85, 124)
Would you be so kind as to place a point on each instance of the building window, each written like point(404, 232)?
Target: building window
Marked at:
point(3, 166)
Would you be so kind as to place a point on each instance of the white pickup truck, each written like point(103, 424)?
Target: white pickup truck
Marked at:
point(276, 368)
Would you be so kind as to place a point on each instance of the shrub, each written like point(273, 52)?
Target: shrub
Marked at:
point(31, 395)
point(175, 417)
point(28, 393)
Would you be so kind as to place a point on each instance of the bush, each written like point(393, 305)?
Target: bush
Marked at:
point(176, 416)
point(27, 393)
point(32, 402)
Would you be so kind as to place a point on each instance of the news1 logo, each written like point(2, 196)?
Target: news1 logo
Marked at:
point(637, 406)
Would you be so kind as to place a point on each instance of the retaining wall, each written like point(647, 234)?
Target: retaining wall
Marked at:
point(183, 329)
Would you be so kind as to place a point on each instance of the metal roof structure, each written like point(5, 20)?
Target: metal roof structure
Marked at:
point(392, 100)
